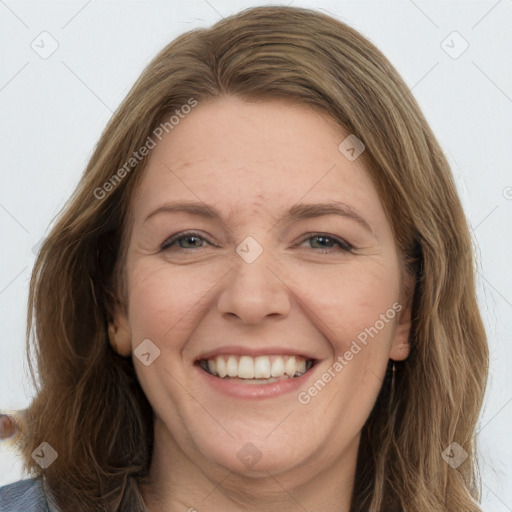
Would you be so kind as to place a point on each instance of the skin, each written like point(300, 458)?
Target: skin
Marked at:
point(253, 162)
point(8, 426)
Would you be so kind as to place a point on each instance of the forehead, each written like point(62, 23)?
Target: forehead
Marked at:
point(248, 157)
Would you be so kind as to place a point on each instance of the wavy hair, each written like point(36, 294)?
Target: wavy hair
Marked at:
point(89, 405)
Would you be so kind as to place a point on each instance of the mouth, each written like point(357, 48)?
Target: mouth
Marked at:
point(262, 369)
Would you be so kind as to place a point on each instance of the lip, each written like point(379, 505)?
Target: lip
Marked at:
point(237, 350)
point(236, 389)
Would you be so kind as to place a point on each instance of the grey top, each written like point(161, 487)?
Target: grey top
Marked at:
point(25, 496)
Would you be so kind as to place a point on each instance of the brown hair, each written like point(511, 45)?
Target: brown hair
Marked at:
point(89, 406)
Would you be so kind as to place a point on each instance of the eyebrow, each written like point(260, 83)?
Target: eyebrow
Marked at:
point(296, 213)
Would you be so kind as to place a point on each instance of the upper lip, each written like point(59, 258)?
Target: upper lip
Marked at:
point(255, 352)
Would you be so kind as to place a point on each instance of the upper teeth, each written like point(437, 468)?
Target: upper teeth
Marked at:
point(261, 367)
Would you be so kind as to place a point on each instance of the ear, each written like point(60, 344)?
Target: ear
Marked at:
point(401, 347)
point(119, 335)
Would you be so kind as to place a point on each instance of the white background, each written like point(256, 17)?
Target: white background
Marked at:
point(52, 112)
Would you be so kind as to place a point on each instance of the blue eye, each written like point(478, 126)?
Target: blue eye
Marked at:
point(192, 240)
point(192, 237)
point(329, 240)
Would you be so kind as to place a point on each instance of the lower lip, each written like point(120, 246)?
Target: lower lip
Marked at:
point(237, 389)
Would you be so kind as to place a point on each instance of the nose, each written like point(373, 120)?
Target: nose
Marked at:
point(254, 291)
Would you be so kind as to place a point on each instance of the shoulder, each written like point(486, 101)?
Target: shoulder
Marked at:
point(23, 496)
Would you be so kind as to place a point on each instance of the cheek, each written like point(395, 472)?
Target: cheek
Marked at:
point(356, 309)
point(361, 310)
point(349, 299)
point(161, 297)
point(162, 308)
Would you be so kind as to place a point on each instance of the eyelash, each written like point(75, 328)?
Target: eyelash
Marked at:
point(343, 245)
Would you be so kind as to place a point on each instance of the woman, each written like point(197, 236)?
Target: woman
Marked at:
point(318, 344)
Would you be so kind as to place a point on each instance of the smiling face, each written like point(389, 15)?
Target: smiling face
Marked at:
point(259, 249)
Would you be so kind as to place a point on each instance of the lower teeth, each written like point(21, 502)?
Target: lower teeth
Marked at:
point(258, 381)
point(254, 381)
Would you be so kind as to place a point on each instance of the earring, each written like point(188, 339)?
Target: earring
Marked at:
point(392, 392)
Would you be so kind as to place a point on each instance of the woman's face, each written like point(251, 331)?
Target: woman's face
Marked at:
point(259, 248)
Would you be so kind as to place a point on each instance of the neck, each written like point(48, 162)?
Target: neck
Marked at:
point(177, 483)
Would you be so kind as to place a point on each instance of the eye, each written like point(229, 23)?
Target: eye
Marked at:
point(191, 240)
point(326, 242)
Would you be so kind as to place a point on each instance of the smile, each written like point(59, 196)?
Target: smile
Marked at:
point(260, 369)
